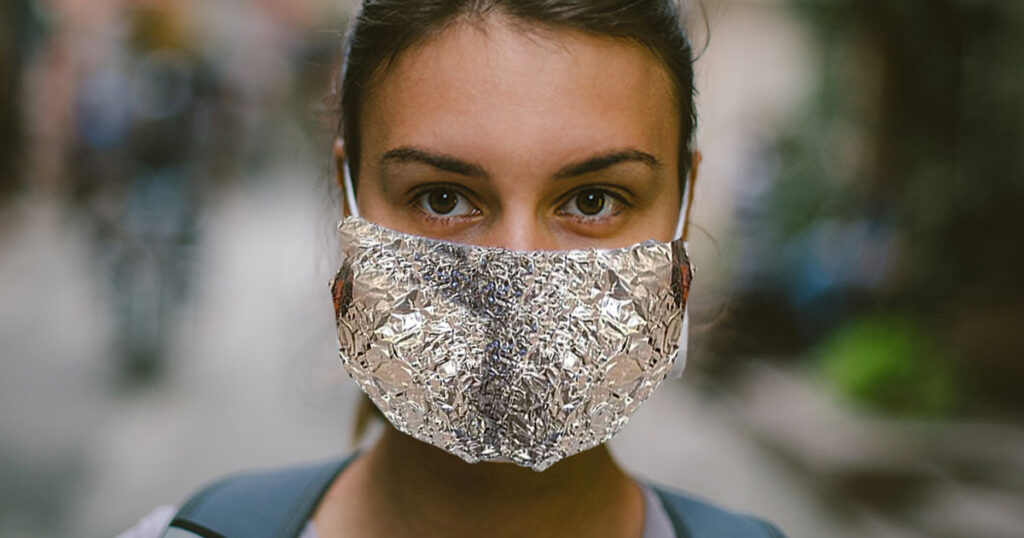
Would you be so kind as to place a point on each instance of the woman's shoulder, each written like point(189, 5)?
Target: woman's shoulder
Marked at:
point(269, 502)
point(702, 518)
point(155, 523)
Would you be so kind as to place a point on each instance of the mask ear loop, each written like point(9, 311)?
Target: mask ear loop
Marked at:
point(350, 191)
point(682, 229)
point(683, 222)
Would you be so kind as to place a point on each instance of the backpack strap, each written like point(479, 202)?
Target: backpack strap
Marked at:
point(695, 519)
point(271, 504)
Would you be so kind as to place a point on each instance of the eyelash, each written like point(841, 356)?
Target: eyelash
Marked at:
point(416, 200)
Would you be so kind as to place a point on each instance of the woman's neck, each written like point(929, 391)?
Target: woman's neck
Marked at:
point(404, 487)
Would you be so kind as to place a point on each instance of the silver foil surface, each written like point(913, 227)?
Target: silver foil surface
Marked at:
point(500, 355)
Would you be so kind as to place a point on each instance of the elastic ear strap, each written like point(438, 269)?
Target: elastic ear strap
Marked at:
point(682, 223)
point(681, 232)
point(680, 363)
point(350, 192)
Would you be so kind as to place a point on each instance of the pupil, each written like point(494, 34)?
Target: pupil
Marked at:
point(590, 203)
point(442, 201)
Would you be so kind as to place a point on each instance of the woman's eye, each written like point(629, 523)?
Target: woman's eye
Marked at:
point(444, 202)
point(591, 203)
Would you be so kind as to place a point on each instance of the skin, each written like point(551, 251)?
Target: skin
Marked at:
point(516, 135)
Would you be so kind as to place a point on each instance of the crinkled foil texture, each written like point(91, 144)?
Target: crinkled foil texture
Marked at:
point(494, 354)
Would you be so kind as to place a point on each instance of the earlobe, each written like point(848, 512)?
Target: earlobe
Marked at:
point(339, 167)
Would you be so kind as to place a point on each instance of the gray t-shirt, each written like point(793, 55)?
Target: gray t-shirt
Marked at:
point(656, 521)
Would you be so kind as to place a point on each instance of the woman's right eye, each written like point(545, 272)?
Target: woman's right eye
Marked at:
point(444, 202)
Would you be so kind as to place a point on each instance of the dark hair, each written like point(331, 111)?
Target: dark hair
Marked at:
point(384, 28)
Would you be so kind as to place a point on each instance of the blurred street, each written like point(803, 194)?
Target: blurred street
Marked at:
point(253, 377)
point(167, 234)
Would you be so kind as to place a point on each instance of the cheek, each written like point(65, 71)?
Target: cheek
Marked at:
point(660, 220)
point(374, 204)
point(667, 214)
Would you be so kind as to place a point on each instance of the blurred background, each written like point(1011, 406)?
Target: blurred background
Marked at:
point(166, 236)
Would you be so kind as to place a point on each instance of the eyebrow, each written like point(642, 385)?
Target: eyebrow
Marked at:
point(607, 160)
point(447, 163)
point(407, 154)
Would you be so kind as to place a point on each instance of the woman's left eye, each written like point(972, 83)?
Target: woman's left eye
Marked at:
point(592, 203)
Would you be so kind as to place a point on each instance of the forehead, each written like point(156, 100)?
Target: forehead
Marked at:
point(494, 91)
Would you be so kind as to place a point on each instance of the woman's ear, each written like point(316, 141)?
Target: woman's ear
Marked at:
point(339, 175)
point(691, 185)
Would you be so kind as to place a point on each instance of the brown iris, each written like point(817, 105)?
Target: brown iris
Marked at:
point(590, 202)
point(442, 201)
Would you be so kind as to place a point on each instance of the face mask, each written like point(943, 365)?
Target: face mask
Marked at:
point(500, 355)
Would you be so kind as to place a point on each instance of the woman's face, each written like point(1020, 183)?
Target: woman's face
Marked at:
point(530, 140)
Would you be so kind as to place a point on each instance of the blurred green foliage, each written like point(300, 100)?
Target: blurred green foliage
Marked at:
point(918, 117)
point(917, 124)
point(890, 363)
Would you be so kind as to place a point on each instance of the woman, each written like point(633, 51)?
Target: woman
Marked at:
point(536, 126)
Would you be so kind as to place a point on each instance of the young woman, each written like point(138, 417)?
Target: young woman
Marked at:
point(528, 134)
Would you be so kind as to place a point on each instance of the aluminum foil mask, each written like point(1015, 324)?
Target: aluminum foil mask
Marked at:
point(500, 355)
